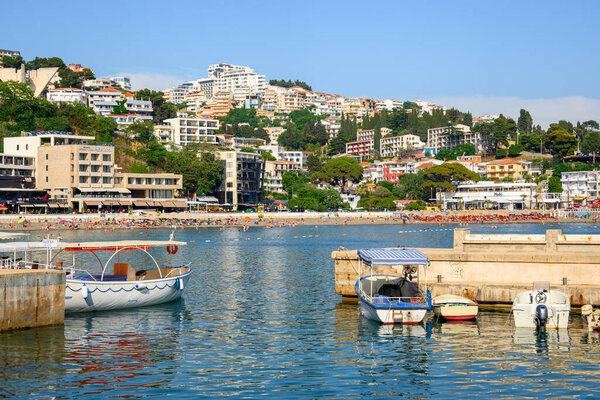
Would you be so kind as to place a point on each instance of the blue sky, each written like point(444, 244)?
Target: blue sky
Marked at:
point(482, 56)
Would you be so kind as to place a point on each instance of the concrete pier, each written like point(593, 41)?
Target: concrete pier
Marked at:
point(31, 298)
point(494, 268)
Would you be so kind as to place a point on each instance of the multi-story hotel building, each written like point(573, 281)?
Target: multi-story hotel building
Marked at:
point(581, 186)
point(188, 129)
point(390, 146)
point(505, 168)
point(274, 171)
point(360, 148)
point(242, 182)
point(449, 137)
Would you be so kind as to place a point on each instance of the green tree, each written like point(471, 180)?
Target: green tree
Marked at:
point(341, 170)
point(142, 131)
point(313, 163)
point(560, 142)
point(416, 205)
point(515, 149)
point(200, 168)
point(591, 143)
point(268, 156)
point(452, 154)
point(443, 177)
point(554, 185)
point(525, 122)
point(12, 62)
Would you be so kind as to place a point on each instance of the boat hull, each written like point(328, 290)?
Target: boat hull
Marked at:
point(456, 312)
point(85, 295)
point(392, 315)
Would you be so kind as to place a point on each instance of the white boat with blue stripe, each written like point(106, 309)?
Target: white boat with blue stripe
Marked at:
point(393, 299)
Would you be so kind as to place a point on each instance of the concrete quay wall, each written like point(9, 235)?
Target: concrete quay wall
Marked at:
point(494, 268)
point(31, 298)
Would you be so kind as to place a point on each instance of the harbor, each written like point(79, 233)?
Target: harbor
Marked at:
point(261, 310)
point(493, 268)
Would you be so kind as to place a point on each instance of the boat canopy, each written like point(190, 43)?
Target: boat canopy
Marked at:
point(392, 257)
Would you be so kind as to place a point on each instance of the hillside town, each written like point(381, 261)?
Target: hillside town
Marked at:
point(233, 141)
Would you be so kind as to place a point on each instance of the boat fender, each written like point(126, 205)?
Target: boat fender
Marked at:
point(84, 291)
point(180, 284)
point(172, 249)
point(140, 286)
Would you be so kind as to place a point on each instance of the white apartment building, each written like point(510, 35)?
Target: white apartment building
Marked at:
point(101, 100)
point(141, 108)
point(206, 86)
point(29, 142)
point(123, 81)
point(388, 104)
point(581, 186)
point(188, 129)
point(489, 195)
point(369, 134)
point(241, 83)
point(449, 137)
point(274, 149)
point(67, 95)
point(274, 171)
point(280, 99)
point(390, 146)
point(332, 125)
point(215, 70)
point(99, 84)
point(194, 101)
point(298, 157)
point(176, 94)
point(165, 133)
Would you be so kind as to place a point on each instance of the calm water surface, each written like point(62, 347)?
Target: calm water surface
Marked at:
point(260, 319)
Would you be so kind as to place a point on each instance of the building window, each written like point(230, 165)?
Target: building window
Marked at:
point(26, 147)
point(46, 156)
point(46, 179)
point(106, 157)
point(46, 167)
point(17, 147)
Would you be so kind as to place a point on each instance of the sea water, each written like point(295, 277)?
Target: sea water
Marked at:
point(260, 318)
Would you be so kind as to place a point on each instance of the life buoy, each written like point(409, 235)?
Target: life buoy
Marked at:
point(171, 249)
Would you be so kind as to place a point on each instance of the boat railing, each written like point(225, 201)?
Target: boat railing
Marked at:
point(18, 263)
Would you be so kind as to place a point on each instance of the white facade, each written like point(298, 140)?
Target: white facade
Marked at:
point(122, 81)
point(298, 157)
point(488, 194)
point(193, 129)
point(449, 137)
point(581, 185)
point(67, 95)
point(28, 143)
point(390, 146)
point(215, 70)
point(241, 83)
point(104, 97)
point(388, 104)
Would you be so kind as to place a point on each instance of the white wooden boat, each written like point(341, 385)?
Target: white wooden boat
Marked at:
point(393, 299)
point(541, 308)
point(123, 287)
point(453, 307)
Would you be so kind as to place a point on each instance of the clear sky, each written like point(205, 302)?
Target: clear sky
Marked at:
point(481, 56)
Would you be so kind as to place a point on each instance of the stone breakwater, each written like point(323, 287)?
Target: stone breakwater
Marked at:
point(494, 268)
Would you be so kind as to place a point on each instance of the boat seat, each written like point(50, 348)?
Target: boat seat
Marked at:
point(124, 269)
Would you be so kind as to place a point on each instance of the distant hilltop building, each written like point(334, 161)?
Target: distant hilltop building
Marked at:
point(10, 53)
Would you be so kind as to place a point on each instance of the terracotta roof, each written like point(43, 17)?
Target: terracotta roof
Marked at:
point(109, 90)
point(426, 165)
point(506, 161)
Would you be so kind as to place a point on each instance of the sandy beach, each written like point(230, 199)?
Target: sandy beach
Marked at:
point(223, 220)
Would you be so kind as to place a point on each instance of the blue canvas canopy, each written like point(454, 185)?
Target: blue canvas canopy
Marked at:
point(392, 257)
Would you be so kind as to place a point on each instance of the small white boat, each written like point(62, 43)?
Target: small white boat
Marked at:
point(454, 308)
point(591, 317)
point(393, 299)
point(541, 308)
point(123, 287)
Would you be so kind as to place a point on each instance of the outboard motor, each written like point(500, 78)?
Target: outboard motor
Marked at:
point(541, 317)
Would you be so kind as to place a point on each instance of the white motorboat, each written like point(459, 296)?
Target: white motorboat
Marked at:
point(541, 307)
point(454, 308)
point(123, 287)
point(591, 317)
point(393, 299)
